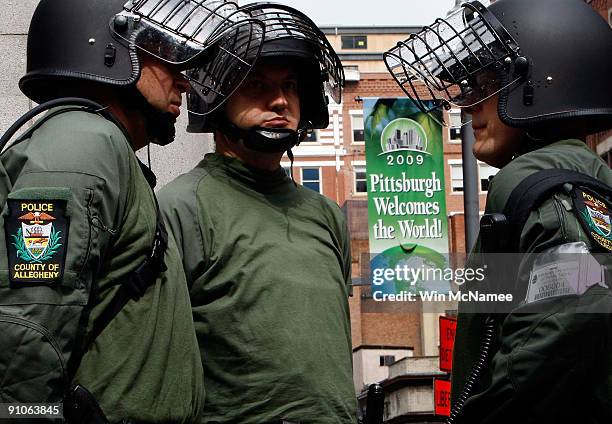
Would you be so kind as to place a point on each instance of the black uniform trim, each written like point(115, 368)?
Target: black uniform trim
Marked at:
point(538, 187)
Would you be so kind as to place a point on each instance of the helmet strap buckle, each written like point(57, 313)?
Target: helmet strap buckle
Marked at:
point(110, 53)
point(528, 94)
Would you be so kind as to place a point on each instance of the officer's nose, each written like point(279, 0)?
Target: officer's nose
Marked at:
point(278, 99)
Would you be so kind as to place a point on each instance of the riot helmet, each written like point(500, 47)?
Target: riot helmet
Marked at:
point(75, 41)
point(548, 61)
point(288, 34)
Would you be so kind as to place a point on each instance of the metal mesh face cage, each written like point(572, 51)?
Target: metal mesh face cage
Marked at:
point(224, 66)
point(285, 22)
point(457, 61)
point(206, 38)
point(176, 31)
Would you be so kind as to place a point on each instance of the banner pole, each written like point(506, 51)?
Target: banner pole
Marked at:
point(470, 182)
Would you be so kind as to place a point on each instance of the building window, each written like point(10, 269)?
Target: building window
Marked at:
point(485, 172)
point(312, 137)
point(361, 185)
point(456, 173)
point(454, 117)
point(354, 41)
point(357, 126)
point(386, 360)
point(311, 179)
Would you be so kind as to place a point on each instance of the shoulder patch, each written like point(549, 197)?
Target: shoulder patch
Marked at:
point(595, 216)
point(36, 238)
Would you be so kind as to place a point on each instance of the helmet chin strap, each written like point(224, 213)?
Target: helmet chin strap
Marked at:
point(159, 125)
point(266, 140)
point(290, 156)
point(260, 139)
point(273, 140)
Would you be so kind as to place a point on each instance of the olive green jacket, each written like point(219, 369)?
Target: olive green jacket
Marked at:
point(552, 365)
point(145, 364)
point(268, 266)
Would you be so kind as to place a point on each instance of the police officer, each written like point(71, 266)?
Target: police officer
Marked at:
point(95, 310)
point(536, 78)
point(268, 261)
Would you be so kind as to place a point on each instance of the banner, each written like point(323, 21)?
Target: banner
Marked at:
point(442, 397)
point(448, 328)
point(408, 225)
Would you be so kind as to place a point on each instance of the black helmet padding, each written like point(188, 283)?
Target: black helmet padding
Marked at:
point(313, 101)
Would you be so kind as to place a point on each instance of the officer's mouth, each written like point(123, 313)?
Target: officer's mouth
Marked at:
point(478, 129)
point(278, 122)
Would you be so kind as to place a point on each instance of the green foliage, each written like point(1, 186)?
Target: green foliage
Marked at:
point(22, 251)
point(53, 246)
point(377, 120)
point(589, 220)
point(24, 254)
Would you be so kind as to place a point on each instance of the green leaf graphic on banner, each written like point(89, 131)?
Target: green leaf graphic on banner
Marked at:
point(408, 248)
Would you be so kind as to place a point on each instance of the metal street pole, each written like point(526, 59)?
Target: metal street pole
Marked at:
point(470, 182)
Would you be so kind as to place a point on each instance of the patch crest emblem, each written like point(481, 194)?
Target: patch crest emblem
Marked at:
point(595, 215)
point(36, 236)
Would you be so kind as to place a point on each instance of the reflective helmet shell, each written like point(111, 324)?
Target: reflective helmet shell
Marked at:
point(71, 40)
point(548, 60)
point(291, 34)
point(97, 40)
point(568, 47)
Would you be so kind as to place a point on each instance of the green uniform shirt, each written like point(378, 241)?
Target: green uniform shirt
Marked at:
point(553, 366)
point(145, 364)
point(268, 266)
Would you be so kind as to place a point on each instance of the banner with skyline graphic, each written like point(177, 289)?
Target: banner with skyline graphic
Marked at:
point(408, 226)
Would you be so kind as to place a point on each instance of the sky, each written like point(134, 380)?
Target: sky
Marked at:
point(370, 12)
